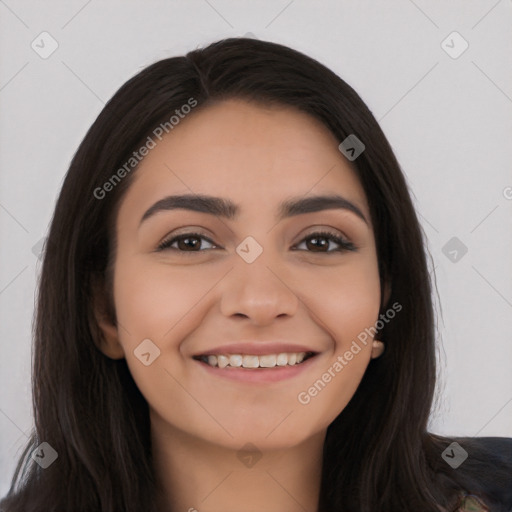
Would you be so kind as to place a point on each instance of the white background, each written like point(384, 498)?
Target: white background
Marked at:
point(448, 120)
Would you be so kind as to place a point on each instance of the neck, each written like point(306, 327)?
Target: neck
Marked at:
point(194, 475)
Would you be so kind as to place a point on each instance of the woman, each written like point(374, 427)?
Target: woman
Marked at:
point(235, 310)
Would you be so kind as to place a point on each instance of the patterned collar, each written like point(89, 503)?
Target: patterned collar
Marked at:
point(470, 503)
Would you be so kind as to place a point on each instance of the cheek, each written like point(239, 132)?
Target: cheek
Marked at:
point(152, 298)
point(165, 304)
point(346, 303)
point(345, 299)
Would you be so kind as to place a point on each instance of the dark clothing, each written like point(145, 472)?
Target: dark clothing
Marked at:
point(489, 470)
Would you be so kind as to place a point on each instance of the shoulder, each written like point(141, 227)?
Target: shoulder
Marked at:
point(486, 469)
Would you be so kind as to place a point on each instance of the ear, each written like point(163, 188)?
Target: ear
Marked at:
point(103, 325)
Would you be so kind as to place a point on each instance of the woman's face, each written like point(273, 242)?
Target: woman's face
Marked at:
point(253, 280)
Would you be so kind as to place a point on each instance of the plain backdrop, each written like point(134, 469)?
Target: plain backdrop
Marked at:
point(446, 112)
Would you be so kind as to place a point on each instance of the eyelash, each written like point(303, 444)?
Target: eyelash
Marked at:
point(345, 245)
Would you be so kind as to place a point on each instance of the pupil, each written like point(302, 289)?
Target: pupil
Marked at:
point(315, 240)
point(186, 242)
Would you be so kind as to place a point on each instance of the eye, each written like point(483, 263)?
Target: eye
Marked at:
point(187, 242)
point(320, 240)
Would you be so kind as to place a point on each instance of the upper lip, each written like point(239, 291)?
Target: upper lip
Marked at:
point(257, 348)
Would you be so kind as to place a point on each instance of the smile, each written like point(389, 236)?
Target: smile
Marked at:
point(250, 361)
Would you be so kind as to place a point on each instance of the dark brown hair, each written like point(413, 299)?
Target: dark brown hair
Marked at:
point(378, 455)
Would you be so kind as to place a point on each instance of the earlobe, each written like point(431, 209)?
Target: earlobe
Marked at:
point(377, 349)
point(108, 341)
point(104, 330)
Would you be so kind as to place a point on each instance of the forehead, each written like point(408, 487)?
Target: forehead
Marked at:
point(257, 153)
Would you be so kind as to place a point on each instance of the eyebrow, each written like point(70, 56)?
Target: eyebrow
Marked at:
point(225, 208)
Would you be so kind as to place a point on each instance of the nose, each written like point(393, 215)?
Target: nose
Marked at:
point(258, 291)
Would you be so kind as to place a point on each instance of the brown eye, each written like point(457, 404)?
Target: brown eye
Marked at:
point(321, 241)
point(188, 242)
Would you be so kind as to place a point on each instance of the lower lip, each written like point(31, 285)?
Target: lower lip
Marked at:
point(257, 375)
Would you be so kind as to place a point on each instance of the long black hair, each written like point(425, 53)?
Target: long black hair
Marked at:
point(378, 455)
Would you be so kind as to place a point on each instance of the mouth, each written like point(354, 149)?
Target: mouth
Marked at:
point(254, 362)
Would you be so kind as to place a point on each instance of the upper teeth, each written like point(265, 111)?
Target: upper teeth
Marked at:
point(252, 361)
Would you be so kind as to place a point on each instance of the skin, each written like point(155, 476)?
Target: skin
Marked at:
point(186, 302)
